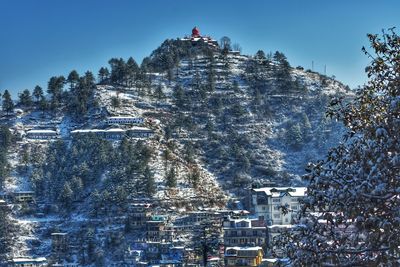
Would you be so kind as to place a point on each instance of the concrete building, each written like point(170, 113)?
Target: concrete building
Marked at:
point(28, 262)
point(124, 120)
point(24, 196)
point(140, 132)
point(244, 232)
point(138, 215)
point(41, 134)
point(243, 256)
point(267, 202)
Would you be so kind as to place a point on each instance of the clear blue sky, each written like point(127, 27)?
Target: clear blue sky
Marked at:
point(42, 38)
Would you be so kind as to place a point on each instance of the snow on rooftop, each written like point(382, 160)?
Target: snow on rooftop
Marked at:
point(277, 191)
point(123, 117)
point(25, 260)
point(245, 248)
point(138, 128)
point(42, 131)
point(115, 130)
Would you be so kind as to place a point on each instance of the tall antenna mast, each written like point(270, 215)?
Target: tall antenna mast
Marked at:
point(325, 69)
point(312, 65)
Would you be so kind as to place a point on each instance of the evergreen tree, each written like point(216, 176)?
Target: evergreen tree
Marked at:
point(194, 176)
point(66, 196)
point(350, 216)
point(8, 104)
point(42, 103)
point(6, 234)
point(294, 136)
point(132, 70)
point(54, 88)
point(104, 74)
point(38, 93)
point(73, 79)
point(149, 181)
point(118, 70)
point(211, 78)
point(306, 127)
point(179, 96)
point(282, 71)
point(115, 103)
point(170, 179)
point(260, 56)
point(25, 98)
point(5, 142)
point(159, 94)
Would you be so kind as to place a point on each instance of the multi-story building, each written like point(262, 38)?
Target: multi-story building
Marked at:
point(267, 203)
point(243, 256)
point(41, 134)
point(24, 196)
point(244, 232)
point(138, 215)
point(124, 120)
point(158, 229)
point(28, 262)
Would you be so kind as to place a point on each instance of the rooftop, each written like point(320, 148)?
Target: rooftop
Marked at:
point(28, 260)
point(279, 191)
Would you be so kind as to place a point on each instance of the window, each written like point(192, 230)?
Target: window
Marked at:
point(276, 207)
point(295, 207)
point(286, 220)
point(277, 216)
point(263, 208)
point(276, 200)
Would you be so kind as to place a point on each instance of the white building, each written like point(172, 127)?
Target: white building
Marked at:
point(28, 262)
point(111, 134)
point(124, 120)
point(267, 202)
point(41, 134)
point(140, 132)
point(24, 196)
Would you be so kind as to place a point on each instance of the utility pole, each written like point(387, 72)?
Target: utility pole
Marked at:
point(325, 69)
point(312, 65)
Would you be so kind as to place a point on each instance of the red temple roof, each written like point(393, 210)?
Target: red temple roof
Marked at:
point(195, 32)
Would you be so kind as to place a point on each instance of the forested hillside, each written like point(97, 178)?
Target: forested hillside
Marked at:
point(222, 122)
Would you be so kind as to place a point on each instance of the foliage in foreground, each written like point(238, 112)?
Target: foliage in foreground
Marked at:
point(351, 216)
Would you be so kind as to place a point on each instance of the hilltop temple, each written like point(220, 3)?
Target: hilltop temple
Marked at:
point(197, 37)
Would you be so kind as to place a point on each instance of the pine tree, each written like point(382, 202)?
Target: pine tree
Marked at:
point(159, 94)
point(66, 195)
point(73, 79)
point(8, 104)
point(104, 74)
point(294, 136)
point(132, 70)
point(25, 98)
point(54, 88)
point(38, 93)
point(170, 179)
point(351, 214)
point(306, 127)
point(179, 96)
point(115, 103)
point(149, 181)
point(194, 176)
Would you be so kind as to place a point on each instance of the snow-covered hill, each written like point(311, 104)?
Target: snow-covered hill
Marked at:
point(229, 119)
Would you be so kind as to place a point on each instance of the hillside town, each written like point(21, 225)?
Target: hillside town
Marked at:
point(195, 158)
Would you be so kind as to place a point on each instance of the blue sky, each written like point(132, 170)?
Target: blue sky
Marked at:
point(42, 38)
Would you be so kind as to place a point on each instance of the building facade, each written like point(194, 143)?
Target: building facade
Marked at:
point(41, 134)
point(124, 120)
point(267, 203)
point(243, 256)
point(244, 232)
